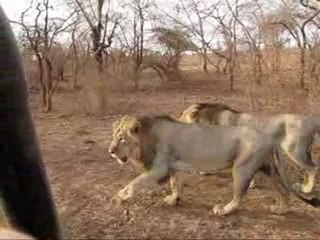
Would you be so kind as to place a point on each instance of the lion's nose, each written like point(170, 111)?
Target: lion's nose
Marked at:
point(111, 150)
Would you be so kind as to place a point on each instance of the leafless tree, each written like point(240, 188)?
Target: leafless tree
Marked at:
point(194, 11)
point(102, 27)
point(274, 39)
point(296, 24)
point(139, 8)
point(133, 34)
point(227, 21)
point(175, 42)
point(313, 5)
point(79, 50)
point(252, 33)
point(41, 36)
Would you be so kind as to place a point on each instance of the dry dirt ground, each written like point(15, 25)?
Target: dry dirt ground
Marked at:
point(84, 179)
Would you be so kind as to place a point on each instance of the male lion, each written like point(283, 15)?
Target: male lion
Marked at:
point(296, 142)
point(162, 146)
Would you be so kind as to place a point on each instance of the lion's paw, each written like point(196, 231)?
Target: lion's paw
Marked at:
point(297, 187)
point(219, 210)
point(171, 200)
point(252, 184)
point(116, 200)
point(302, 188)
point(275, 209)
point(123, 193)
point(122, 196)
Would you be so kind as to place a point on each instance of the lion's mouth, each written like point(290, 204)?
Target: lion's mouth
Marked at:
point(120, 160)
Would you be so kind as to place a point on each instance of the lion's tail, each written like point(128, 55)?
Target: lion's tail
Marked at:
point(313, 201)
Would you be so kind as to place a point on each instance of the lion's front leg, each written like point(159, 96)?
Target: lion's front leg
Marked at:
point(176, 188)
point(148, 179)
point(128, 191)
point(242, 175)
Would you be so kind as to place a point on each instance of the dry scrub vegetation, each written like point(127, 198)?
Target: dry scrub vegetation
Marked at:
point(102, 59)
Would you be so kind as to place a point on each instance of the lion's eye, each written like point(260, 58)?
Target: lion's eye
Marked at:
point(122, 140)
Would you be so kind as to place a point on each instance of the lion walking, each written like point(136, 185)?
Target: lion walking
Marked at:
point(161, 146)
point(296, 133)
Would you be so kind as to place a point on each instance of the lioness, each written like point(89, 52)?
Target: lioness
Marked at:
point(162, 146)
point(296, 141)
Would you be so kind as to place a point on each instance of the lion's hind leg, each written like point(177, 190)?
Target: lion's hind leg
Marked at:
point(282, 201)
point(176, 188)
point(309, 180)
point(301, 154)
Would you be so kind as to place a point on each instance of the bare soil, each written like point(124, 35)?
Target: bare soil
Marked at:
point(84, 178)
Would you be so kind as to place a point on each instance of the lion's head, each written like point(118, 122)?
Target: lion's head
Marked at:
point(125, 142)
point(207, 113)
point(135, 139)
point(190, 115)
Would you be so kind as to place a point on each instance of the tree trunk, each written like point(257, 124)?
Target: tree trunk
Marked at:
point(48, 105)
point(75, 62)
point(231, 74)
point(231, 79)
point(135, 80)
point(205, 61)
point(225, 67)
point(43, 96)
point(258, 67)
point(96, 46)
point(41, 82)
point(75, 75)
point(302, 67)
point(48, 86)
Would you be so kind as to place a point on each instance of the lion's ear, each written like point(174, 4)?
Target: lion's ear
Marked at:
point(135, 129)
point(115, 124)
point(194, 114)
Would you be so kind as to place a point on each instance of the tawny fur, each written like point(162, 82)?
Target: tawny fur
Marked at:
point(296, 133)
point(163, 146)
